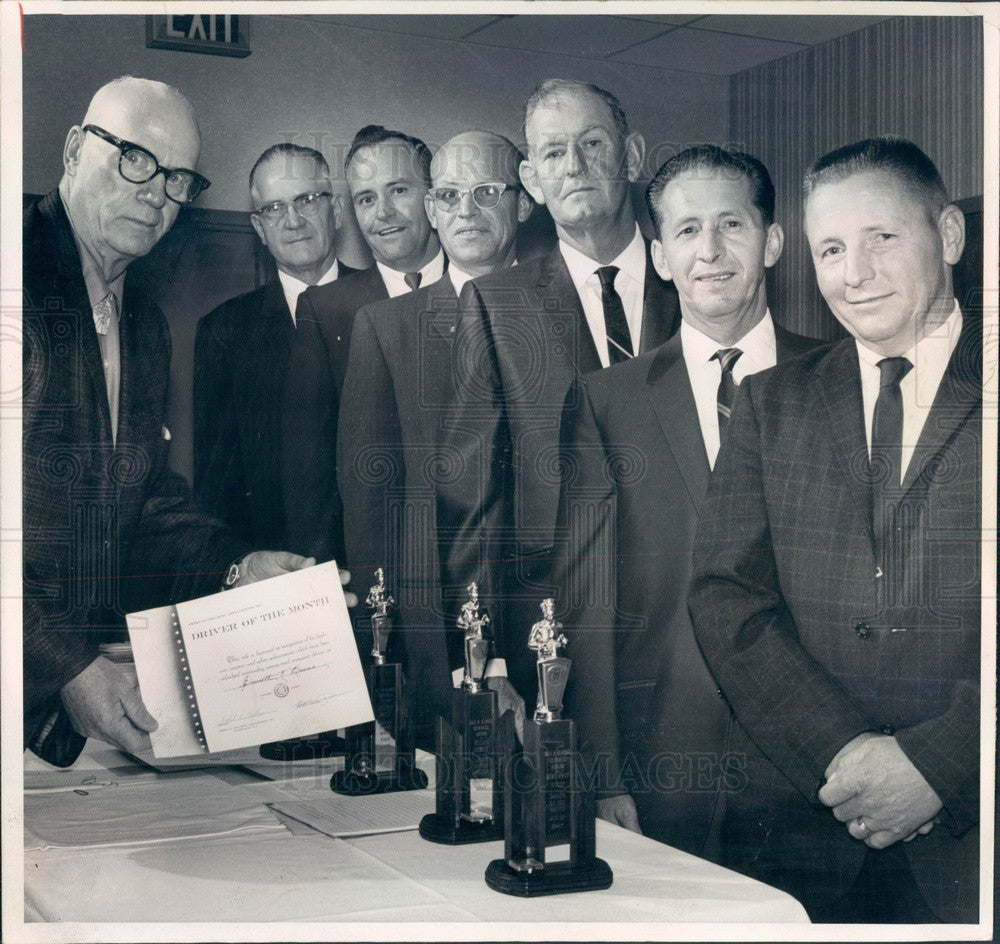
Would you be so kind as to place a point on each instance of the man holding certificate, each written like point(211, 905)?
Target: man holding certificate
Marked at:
point(106, 524)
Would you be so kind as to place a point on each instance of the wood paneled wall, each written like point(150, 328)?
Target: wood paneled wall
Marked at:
point(919, 77)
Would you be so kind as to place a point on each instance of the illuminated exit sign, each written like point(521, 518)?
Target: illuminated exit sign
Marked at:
point(215, 34)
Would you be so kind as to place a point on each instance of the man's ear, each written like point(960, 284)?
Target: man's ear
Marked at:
point(430, 208)
point(774, 244)
point(635, 153)
point(659, 260)
point(529, 178)
point(258, 225)
point(524, 206)
point(951, 226)
point(72, 149)
point(338, 210)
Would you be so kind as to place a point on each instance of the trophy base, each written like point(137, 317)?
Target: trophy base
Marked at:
point(406, 776)
point(445, 830)
point(555, 879)
point(304, 748)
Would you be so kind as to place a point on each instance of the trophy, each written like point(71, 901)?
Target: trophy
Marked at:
point(549, 831)
point(469, 801)
point(379, 755)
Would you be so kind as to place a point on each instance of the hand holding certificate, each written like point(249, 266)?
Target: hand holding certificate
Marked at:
point(272, 660)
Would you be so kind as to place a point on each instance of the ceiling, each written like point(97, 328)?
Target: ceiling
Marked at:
point(706, 44)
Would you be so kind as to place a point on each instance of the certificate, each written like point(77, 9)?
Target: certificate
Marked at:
point(272, 660)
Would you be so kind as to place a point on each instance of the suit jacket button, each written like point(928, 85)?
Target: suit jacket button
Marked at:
point(863, 630)
point(887, 729)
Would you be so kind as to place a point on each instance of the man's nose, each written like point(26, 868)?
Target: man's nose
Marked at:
point(575, 164)
point(292, 219)
point(857, 267)
point(154, 191)
point(467, 205)
point(384, 210)
point(709, 244)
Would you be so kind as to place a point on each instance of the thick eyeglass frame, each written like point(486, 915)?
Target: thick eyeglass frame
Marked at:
point(306, 205)
point(199, 183)
point(435, 192)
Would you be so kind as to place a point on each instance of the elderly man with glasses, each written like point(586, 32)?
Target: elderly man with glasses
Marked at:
point(242, 352)
point(107, 527)
point(395, 397)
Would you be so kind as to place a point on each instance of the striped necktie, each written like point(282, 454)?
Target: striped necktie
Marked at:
point(615, 323)
point(727, 358)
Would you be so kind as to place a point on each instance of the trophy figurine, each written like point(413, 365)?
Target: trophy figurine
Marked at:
point(379, 755)
point(548, 809)
point(469, 801)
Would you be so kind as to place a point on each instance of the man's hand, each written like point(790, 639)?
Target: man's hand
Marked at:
point(508, 700)
point(103, 703)
point(873, 787)
point(619, 810)
point(261, 565)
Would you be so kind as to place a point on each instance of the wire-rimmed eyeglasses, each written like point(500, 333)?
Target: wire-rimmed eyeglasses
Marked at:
point(139, 166)
point(307, 205)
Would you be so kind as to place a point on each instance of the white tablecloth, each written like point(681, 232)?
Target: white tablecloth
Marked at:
point(201, 846)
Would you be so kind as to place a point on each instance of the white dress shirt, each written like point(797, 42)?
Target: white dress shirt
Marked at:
point(293, 287)
point(395, 282)
point(629, 283)
point(760, 352)
point(929, 357)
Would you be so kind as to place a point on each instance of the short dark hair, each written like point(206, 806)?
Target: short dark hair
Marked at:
point(552, 87)
point(889, 154)
point(289, 150)
point(713, 157)
point(371, 135)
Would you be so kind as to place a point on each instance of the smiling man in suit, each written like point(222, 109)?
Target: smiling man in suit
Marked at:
point(639, 440)
point(242, 350)
point(100, 503)
point(395, 394)
point(388, 175)
point(836, 593)
point(524, 335)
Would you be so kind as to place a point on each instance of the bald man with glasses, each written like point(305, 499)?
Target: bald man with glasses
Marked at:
point(107, 527)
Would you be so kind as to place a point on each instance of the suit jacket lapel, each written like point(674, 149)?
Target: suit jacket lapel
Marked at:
point(561, 301)
point(960, 392)
point(838, 379)
point(660, 309)
point(669, 392)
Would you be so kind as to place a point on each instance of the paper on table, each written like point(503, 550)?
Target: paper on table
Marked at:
point(273, 660)
point(360, 816)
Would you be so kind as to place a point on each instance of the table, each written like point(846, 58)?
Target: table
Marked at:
point(202, 846)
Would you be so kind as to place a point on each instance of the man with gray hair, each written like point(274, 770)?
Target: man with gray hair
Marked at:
point(101, 508)
point(524, 335)
point(242, 352)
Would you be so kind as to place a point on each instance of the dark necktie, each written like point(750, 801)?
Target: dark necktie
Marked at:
point(615, 323)
point(727, 358)
point(887, 439)
point(413, 280)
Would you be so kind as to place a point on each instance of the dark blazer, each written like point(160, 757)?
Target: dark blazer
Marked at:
point(240, 362)
point(522, 339)
point(814, 639)
point(395, 394)
point(94, 511)
point(637, 471)
point(317, 363)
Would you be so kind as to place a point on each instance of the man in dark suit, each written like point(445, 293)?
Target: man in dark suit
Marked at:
point(388, 174)
point(836, 591)
point(638, 441)
point(99, 501)
point(395, 394)
point(242, 348)
point(524, 334)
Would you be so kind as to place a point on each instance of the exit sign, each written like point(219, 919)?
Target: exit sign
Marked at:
point(215, 34)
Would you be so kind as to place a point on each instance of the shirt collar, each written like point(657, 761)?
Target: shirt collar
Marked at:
point(429, 274)
point(758, 344)
point(933, 348)
point(295, 287)
point(631, 261)
point(460, 278)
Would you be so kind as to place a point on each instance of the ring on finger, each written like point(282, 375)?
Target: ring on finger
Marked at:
point(863, 827)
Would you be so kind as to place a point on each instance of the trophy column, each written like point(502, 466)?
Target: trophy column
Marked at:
point(469, 800)
point(549, 830)
point(379, 756)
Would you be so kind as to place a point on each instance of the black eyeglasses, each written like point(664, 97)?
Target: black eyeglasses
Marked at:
point(485, 196)
point(306, 205)
point(139, 166)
